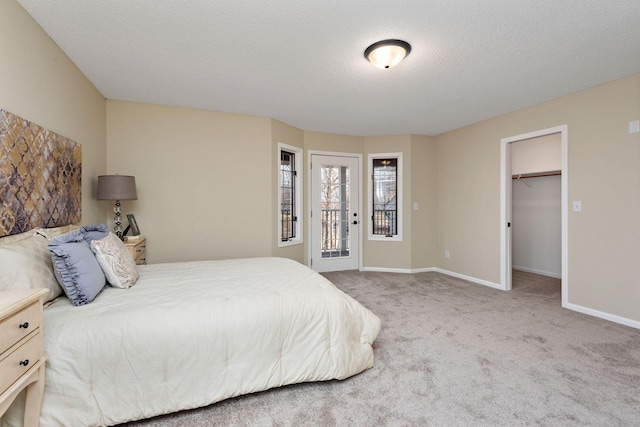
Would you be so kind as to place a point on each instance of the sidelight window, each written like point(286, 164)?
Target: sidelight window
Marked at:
point(385, 196)
point(289, 212)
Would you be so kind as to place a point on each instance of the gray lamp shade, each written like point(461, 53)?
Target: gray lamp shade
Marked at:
point(117, 187)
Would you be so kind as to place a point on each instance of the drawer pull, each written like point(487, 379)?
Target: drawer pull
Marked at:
point(24, 362)
point(24, 325)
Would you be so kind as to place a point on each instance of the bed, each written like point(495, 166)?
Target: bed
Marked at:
point(189, 334)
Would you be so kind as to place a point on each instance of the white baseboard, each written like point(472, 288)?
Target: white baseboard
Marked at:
point(589, 311)
point(432, 269)
point(602, 315)
point(423, 270)
point(398, 270)
point(469, 278)
point(540, 272)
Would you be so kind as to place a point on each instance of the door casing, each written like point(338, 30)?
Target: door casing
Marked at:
point(506, 259)
point(361, 214)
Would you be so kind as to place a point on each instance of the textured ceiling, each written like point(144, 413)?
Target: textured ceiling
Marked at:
point(301, 62)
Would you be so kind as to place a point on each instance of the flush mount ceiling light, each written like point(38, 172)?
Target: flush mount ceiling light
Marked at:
point(387, 53)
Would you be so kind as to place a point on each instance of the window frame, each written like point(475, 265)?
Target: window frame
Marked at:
point(297, 194)
point(399, 199)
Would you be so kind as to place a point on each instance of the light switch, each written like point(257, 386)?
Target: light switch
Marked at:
point(415, 206)
point(634, 126)
point(577, 206)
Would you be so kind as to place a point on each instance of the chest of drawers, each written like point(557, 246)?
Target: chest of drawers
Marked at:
point(22, 359)
point(138, 248)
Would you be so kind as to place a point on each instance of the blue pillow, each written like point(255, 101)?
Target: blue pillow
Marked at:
point(94, 232)
point(76, 268)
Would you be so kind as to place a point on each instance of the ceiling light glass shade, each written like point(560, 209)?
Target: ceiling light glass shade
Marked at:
point(387, 53)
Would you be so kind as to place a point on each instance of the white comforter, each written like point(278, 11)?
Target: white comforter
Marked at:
point(189, 334)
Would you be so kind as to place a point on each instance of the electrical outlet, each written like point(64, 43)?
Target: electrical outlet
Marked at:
point(446, 254)
point(577, 206)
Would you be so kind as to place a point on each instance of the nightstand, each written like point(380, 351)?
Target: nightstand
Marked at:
point(138, 248)
point(22, 358)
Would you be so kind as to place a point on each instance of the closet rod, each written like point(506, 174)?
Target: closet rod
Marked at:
point(536, 175)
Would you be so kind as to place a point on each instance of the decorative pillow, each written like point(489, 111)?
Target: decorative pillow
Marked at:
point(94, 232)
point(26, 264)
point(116, 261)
point(76, 268)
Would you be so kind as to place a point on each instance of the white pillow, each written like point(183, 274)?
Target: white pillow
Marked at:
point(116, 261)
point(17, 237)
point(26, 264)
point(52, 233)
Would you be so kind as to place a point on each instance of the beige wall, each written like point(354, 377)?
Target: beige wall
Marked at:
point(424, 168)
point(388, 254)
point(39, 83)
point(603, 172)
point(330, 142)
point(468, 202)
point(204, 179)
point(535, 155)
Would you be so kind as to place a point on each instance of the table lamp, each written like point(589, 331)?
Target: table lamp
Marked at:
point(117, 187)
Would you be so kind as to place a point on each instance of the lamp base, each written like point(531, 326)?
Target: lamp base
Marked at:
point(117, 229)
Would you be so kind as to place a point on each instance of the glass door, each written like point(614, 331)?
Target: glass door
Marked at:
point(335, 220)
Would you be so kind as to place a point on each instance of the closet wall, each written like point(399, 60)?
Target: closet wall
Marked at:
point(536, 205)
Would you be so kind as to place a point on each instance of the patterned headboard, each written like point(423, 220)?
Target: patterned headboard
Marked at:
point(40, 177)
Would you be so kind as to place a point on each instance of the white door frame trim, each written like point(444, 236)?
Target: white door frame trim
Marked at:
point(505, 208)
point(308, 213)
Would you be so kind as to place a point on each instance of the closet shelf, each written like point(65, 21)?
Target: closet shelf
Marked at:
point(536, 175)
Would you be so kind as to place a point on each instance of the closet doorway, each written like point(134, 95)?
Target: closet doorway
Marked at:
point(533, 182)
point(536, 208)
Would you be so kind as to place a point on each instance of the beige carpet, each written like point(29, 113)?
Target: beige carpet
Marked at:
point(454, 353)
